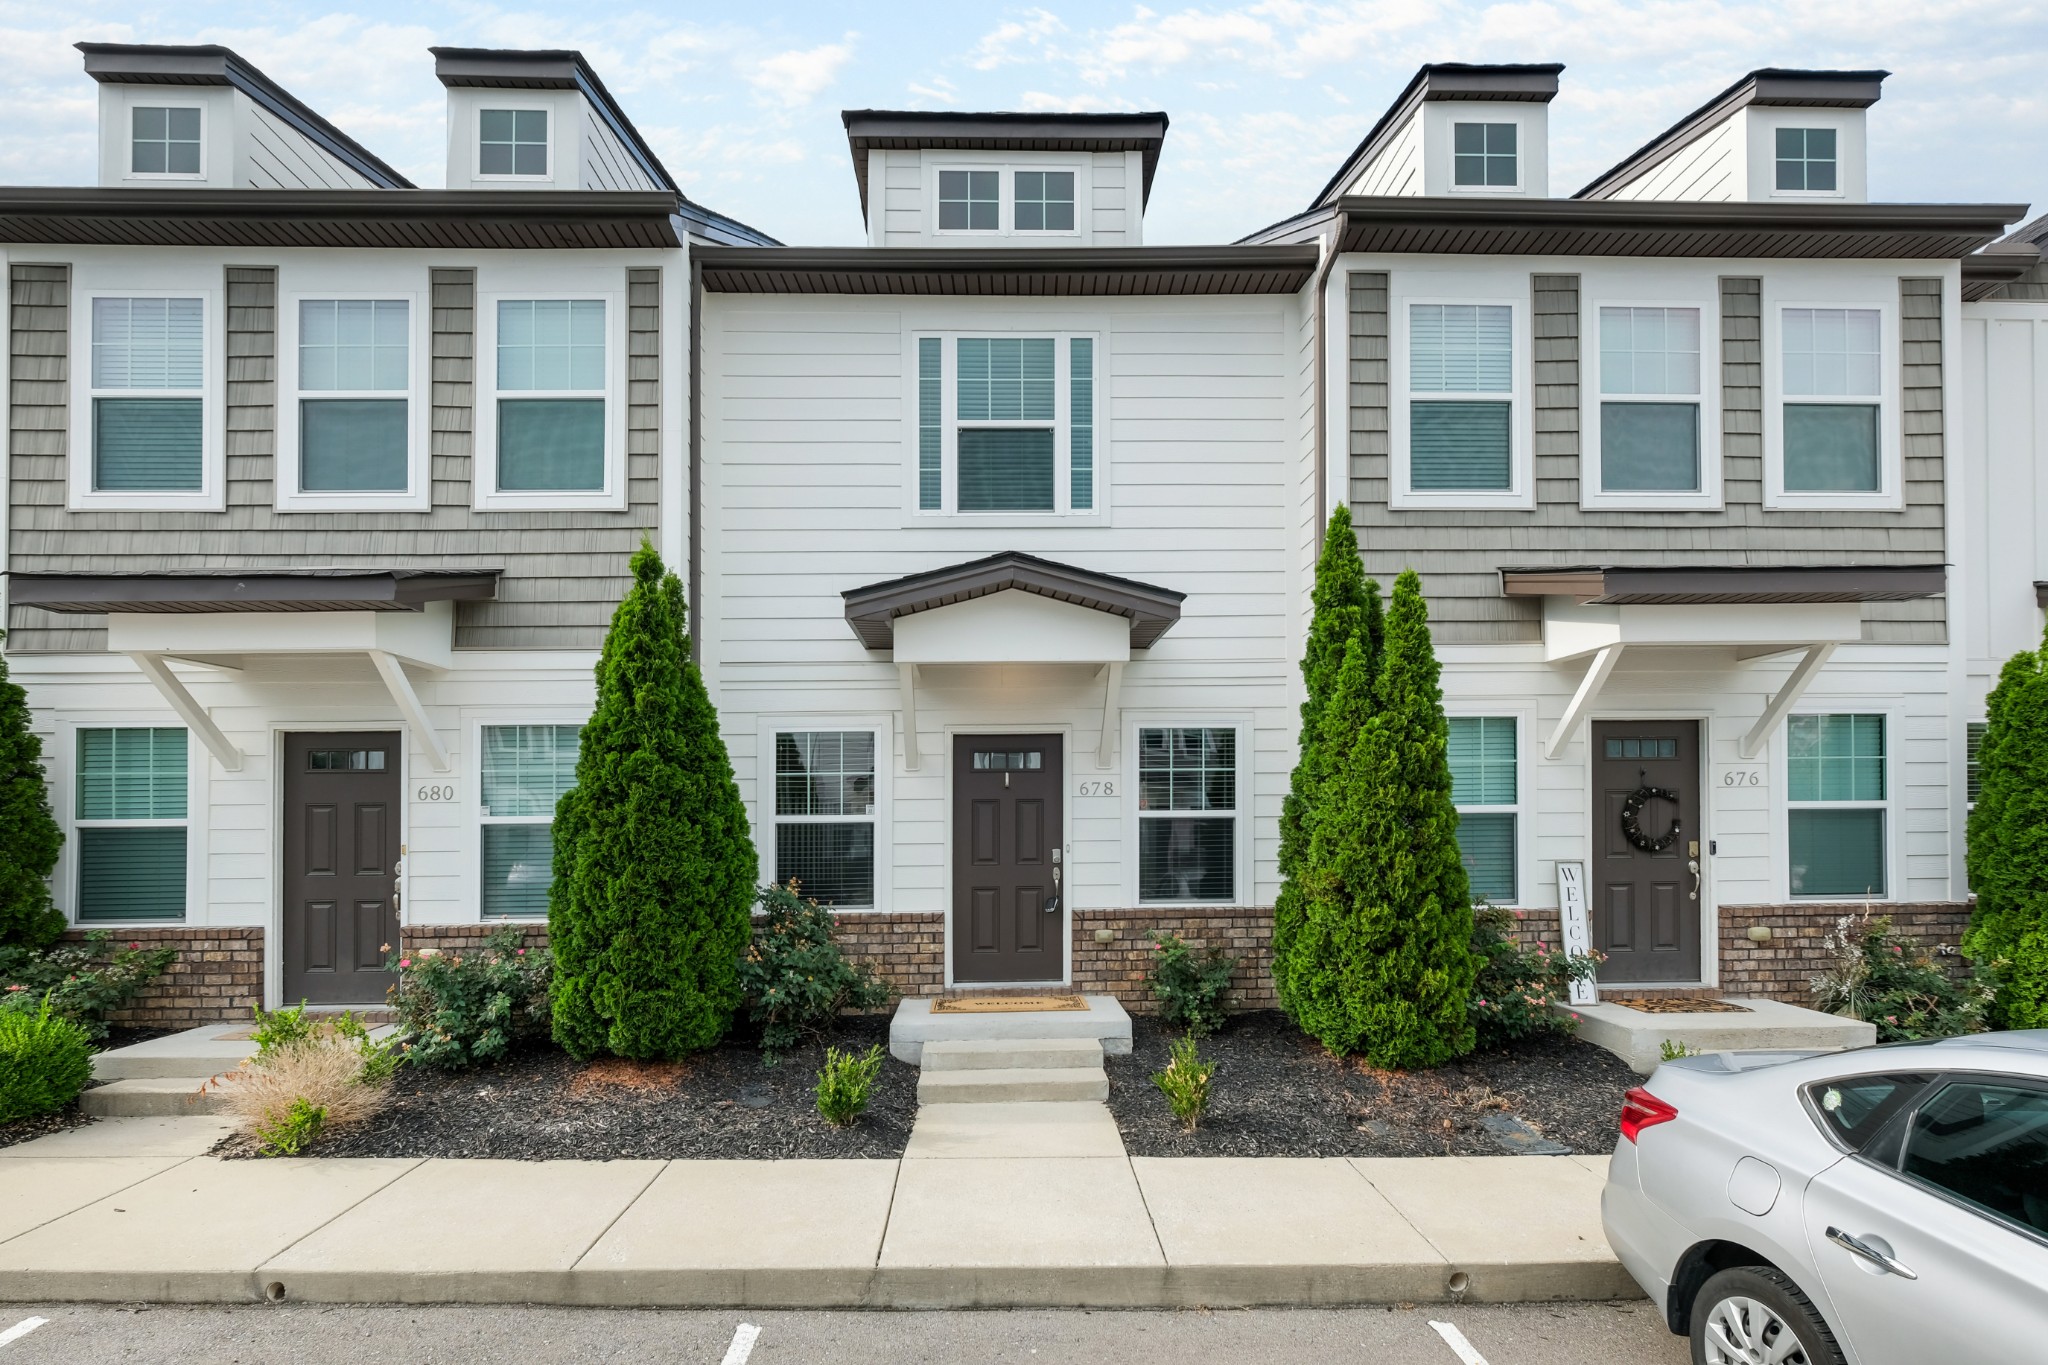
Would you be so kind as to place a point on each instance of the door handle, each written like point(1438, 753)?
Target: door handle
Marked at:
point(1052, 906)
point(1856, 1246)
point(1693, 866)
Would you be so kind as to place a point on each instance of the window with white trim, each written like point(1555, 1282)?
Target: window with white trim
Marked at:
point(1973, 759)
point(1837, 810)
point(825, 815)
point(165, 140)
point(1806, 161)
point(970, 201)
point(1650, 426)
point(354, 407)
point(1486, 790)
point(1187, 815)
point(525, 770)
point(552, 379)
point(1833, 388)
point(512, 142)
point(1461, 398)
point(131, 825)
point(1006, 424)
point(1484, 156)
point(147, 395)
point(1044, 201)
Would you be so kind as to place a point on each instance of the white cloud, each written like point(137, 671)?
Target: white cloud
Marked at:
point(801, 75)
point(938, 90)
point(1038, 101)
point(1019, 40)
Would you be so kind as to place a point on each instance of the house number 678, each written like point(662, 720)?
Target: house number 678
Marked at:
point(1098, 789)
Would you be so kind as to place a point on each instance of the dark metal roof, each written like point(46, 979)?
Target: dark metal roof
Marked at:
point(872, 610)
point(548, 69)
point(1987, 271)
point(210, 64)
point(1516, 83)
point(289, 590)
point(1768, 85)
point(1684, 585)
point(1009, 132)
point(1007, 270)
point(1635, 227)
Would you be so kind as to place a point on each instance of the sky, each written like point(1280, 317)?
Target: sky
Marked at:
point(742, 101)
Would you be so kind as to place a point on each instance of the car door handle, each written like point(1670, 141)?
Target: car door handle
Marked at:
point(1856, 1246)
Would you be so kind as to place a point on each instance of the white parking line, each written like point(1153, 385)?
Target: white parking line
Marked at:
point(742, 1344)
point(1455, 1339)
point(27, 1325)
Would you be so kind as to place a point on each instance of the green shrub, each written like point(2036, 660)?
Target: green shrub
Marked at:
point(458, 1009)
point(29, 837)
point(293, 1131)
point(650, 908)
point(1670, 1050)
point(844, 1084)
point(795, 979)
point(1513, 994)
point(2008, 844)
point(84, 981)
point(45, 1060)
point(281, 1028)
point(1191, 985)
point(1884, 978)
point(1185, 1082)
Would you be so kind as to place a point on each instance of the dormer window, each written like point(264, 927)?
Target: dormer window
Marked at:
point(972, 201)
point(512, 142)
point(166, 140)
point(1045, 201)
point(1806, 161)
point(1483, 156)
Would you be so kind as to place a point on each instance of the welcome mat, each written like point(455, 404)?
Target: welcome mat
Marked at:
point(1666, 1004)
point(1007, 1004)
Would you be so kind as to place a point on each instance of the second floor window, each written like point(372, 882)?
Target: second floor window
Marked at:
point(551, 374)
point(1834, 384)
point(148, 408)
point(1806, 160)
point(512, 142)
point(970, 201)
point(1483, 156)
point(1649, 400)
point(1461, 409)
point(1045, 201)
point(164, 141)
point(354, 376)
point(1016, 434)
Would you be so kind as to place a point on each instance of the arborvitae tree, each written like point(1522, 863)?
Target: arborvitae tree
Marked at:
point(2008, 842)
point(1385, 938)
point(29, 838)
point(1346, 607)
point(654, 870)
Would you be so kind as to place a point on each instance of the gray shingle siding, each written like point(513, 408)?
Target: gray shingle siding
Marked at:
point(1459, 552)
point(564, 571)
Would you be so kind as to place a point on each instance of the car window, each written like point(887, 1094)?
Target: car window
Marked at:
point(1853, 1109)
point(1986, 1143)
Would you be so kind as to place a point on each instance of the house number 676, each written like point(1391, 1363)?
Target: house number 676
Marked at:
point(1098, 789)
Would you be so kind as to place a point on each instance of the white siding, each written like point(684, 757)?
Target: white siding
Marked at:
point(607, 165)
point(896, 182)
point(272, 155)
point(1398, 168)
point(1113, 213)
point(1708, 169)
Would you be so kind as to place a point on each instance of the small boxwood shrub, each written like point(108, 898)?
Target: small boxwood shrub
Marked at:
point(45, 1061)
point(845, 1083)
point(1185, 1082)
point(1191, 984)
point(458, 1009)
point(795, 979)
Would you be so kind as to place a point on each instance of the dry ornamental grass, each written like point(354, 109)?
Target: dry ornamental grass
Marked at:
point(324, 1070)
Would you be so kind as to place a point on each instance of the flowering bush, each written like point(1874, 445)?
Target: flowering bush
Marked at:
point(458, 1009)
point(1883, 978)
point(85, 982)
point(1191, 986)
point(795, 979)
point(1513, 995)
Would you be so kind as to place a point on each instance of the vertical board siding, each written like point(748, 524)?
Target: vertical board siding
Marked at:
point(1460, 552)
point(564, 571)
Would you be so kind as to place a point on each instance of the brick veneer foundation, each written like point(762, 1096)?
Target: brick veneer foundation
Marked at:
point(217, 978)
point(462, 938)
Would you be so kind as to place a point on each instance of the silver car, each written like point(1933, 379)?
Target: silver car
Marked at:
point(1884, 1206)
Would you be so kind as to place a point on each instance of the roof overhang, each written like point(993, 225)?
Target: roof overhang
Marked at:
point(1419, 225)
point(1727, 586)
point(1987, 271)
point(548, 69)
point(868, 129)
point(1025, 271)
point(1514, 83)
point(224, 591)
point(1007, 584)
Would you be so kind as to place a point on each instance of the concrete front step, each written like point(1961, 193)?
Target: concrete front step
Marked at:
point(205, 1051)
point(1638, 1037)
point(152, 1097)
point(914, 1025)
point(996, 1054)
point(1011, 1084)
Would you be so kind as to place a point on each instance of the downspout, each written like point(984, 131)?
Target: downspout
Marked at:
point(1322, 285)
point(696, 513)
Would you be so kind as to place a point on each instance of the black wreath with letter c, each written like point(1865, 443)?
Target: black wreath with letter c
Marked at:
point(1631, 812)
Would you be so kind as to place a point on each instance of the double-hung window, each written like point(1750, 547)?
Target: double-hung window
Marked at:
point(146, 397)
point(1483, 156)
point(165, 141)
point(1833, 387)
point(1806, 161)
point(355, 407)
point(1188, 815)
point(131, 825)
point(526, 768)
point(552, 435)
point(1006, 424)
point(1652, 442)
point(825, 815)
point(1973, 759)
point(1836, 815)
point(512, 142)
point(1461, 410)
point(1485, 789)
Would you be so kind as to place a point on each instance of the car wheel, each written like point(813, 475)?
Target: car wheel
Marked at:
point(1750, 1314)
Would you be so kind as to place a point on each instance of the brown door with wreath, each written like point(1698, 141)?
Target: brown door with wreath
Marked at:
point(341, 798)
point(1645, 906)
point(1008, 923)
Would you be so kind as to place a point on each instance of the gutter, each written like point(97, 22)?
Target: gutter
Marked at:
point(1322, 423)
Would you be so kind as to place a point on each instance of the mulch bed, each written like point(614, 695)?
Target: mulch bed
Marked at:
point(540, 1105)
point(1277, 1093)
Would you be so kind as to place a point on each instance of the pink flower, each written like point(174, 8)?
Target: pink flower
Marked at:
point(522, 952)
point(405, 962)
point(133, 945)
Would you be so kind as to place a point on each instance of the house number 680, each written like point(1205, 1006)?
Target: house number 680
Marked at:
point(1098, 789)
point(435, 793)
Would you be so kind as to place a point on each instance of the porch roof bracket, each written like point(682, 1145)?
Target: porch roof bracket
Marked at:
point(409, 706)
point(1582, 700)
point(1803, 674)
point(1112, 717)
point(189, 710)
point(906, 679)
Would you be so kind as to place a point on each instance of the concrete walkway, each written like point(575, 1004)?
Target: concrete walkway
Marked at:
point(985, 1209)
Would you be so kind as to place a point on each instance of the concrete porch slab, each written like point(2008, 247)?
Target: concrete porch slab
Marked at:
point(35, 1191)
point(914, 1025)
point(1766, 1025)
point(762, 1233)
point(482, 1231)
point(1047, 1128)
point(204, 1051)
point(153, 1097)
point(127, 1137)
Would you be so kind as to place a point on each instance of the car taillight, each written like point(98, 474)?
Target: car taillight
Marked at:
point(1640, 1109)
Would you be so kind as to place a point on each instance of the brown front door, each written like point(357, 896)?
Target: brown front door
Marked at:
point(1008, 917)
point(341, 803)
point(1645, 906)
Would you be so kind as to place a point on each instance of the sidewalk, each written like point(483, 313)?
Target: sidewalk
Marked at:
point(131, 1209)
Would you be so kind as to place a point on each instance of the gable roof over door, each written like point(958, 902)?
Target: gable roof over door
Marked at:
point(872, 611)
